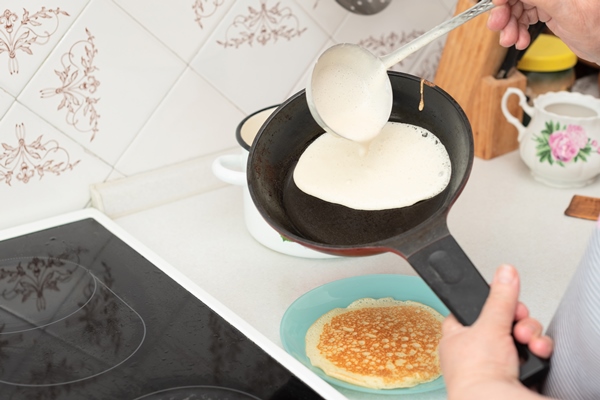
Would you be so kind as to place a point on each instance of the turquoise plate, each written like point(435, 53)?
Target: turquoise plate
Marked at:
point(303, 312)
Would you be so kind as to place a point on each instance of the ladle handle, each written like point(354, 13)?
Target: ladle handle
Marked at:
point(401, 53)
point(447, 270)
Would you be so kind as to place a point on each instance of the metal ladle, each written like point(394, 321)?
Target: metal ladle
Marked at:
point(349, 85)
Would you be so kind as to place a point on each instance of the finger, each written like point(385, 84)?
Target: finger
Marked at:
point(522, 312)
point(524, 38)
point(498, 312)
point(542, 346)
point(527, 329)
point(498, 18)
point(510, 33)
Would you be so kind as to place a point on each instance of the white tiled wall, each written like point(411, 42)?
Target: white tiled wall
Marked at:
point(94, 90)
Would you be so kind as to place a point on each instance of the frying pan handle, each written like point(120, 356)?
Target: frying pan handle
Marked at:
point(447, 270)
point(454, 279)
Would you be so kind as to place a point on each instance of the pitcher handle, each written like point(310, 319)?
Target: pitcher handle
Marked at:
point(229, 168)
point(522, 102)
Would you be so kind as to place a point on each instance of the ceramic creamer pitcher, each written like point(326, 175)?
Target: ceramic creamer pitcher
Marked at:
point(561, 143)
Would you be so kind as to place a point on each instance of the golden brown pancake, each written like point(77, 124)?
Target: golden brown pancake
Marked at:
point(378, 343)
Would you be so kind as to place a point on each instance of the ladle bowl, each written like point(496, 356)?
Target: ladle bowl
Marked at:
point(349, 80)
point(418, 233)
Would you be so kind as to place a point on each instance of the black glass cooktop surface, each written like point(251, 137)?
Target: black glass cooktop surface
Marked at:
point(85, 316)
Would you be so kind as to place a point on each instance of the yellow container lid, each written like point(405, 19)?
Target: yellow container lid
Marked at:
point(547, 54)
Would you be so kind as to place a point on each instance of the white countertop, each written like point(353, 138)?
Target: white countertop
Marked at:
point(503, 216)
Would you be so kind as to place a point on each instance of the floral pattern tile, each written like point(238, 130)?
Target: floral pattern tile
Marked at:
point(29, 30)
point(401, 22)
point(77, 86)
point(103, 81)
point(182, 25)
point(30, 157)
point(198, 121)
point(6, 101)
point(258, 51)
point(42, 171)
point(327, 13)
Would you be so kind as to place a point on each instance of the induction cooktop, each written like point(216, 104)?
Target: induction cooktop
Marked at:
point(87, 312)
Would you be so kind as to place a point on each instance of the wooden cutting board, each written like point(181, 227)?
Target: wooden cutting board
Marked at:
point(467, 69)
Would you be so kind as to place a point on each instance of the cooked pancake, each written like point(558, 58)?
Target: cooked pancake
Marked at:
point(378, 343)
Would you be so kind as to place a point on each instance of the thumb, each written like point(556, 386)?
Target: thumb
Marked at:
point(499, 309)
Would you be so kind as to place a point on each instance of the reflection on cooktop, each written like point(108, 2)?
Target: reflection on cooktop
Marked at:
point(53, 307)
point(198, 393)
point(39, 291)
point(84, 316)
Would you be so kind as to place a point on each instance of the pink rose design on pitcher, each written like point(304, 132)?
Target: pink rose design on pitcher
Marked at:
point(563, 144)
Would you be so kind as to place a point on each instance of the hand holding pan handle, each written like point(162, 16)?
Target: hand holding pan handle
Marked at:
point(447, 270)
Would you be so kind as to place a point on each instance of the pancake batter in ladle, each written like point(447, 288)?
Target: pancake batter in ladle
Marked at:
point(349, 93)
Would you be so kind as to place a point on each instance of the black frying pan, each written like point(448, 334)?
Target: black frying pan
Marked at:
point(418, 233)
